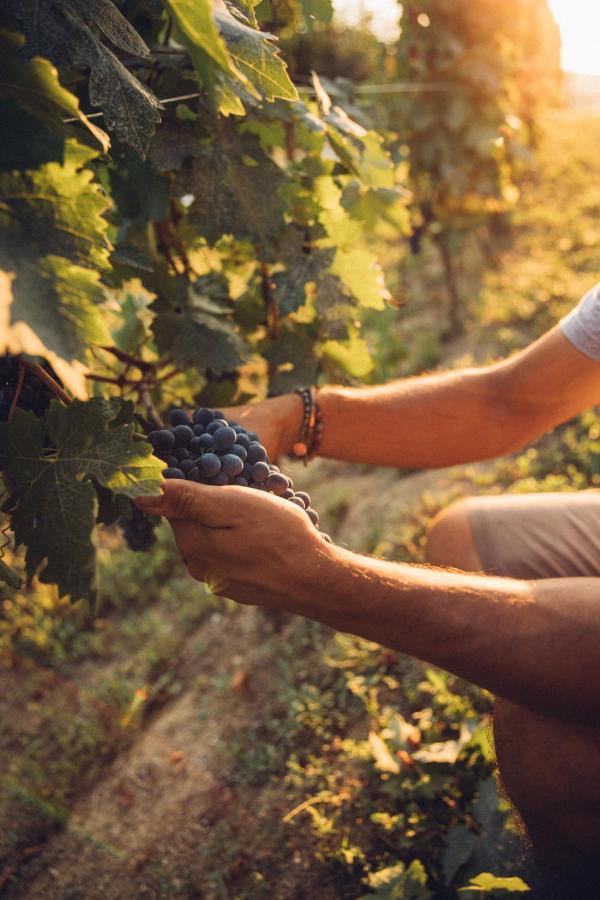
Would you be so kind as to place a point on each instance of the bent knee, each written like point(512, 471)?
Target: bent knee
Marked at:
point(450, 539)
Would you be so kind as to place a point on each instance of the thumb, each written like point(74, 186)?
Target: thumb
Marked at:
point(188, 500)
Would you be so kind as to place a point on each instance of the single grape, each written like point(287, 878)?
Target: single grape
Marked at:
point(171, 461)
point(193, 474)
point(232, 465)
point(242, 440)
point(218, 414)
point(277, 483)
point(287, 494)
point(290, 482)
point(178, 417)
point(240, 451)
point(297, 502)
point(182, 453)
point(253, 436)
point(173, 473)
point(213, 426)
point(239, 429)
point(240, 480)
point(274, 468)
point(313, 515)
point(256, 453)
point(187, 465)
point(203, 416)
point(204, 442)
point(260, 471)
point(300, 500)
point(199, 429)
point(304, 496)
point(162, 440)
point(209, 465)
point(247, 472)
point(224, 438)
point(183, 434)
point(219, 480)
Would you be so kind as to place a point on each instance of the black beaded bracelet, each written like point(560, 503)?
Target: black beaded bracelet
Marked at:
point(307, 445)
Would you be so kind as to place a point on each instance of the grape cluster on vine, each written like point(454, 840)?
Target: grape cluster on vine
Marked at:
point(208, 449)
point(32, 394)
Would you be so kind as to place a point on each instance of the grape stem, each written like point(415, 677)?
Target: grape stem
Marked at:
point(17, 393)
point(47, 379)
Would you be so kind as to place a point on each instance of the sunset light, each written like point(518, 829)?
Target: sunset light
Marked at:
point(579, 22)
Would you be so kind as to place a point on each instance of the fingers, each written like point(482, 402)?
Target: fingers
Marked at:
point(188, 500)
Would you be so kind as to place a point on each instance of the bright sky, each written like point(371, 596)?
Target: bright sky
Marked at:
point(579, 21)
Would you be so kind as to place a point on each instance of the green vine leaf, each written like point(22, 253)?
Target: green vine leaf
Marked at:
point(60, 32)
point(54, 242)
point(51, 465)
point(35, 86)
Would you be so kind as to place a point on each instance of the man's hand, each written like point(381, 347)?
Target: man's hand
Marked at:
point(248, 545)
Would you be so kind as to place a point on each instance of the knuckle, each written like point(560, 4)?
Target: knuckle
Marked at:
point(183, 502)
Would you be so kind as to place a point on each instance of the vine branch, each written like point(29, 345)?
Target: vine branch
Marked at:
point(48, 380)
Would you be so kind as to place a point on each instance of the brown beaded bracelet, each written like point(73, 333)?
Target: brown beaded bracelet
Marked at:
point(307, 445)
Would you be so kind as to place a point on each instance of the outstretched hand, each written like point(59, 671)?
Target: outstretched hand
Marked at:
point(248, 545)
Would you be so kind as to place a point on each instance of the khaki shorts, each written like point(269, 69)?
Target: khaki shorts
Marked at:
point(538, 535)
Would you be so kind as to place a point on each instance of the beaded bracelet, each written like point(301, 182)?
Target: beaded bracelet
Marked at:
point(307, 445)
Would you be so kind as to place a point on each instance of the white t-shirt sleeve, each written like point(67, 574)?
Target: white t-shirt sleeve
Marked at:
point(582, 325)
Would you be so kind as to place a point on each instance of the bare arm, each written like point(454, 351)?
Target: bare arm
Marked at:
point(443, 419)
point(536, 643)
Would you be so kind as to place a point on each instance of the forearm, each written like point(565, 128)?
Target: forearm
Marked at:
point(418, 423)
point(535, 643)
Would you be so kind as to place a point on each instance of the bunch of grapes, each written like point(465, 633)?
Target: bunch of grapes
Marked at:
point(34, 395)
point(208, 449)
point(138, 530)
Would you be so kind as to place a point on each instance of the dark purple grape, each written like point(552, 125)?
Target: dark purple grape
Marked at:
point(240, 480)
point(199, 429)
point(253, 436)
point(162, 440)
point(300, 500)
point(172, 472)
point(239, 429)
point(277, 483)
point(290, 482)
point(219, 480)
point(274, 468)
point(209, 465)
point(313, 515)
point(187, 465)
point(224, 438)
point(178, 417)
point(171, 461)
point(305, 497)
point(182, 453)
point(193, 474)
point(256, 453)
point(204, 442)
point(260, 471)
point(240, 451)
point(218, 414)
point(232, 465)
point(242, 440)
point(203, 416)
point(214, 426)
point(183, 434)
point(247, 472)
point(287, 494)
point(297, 502)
